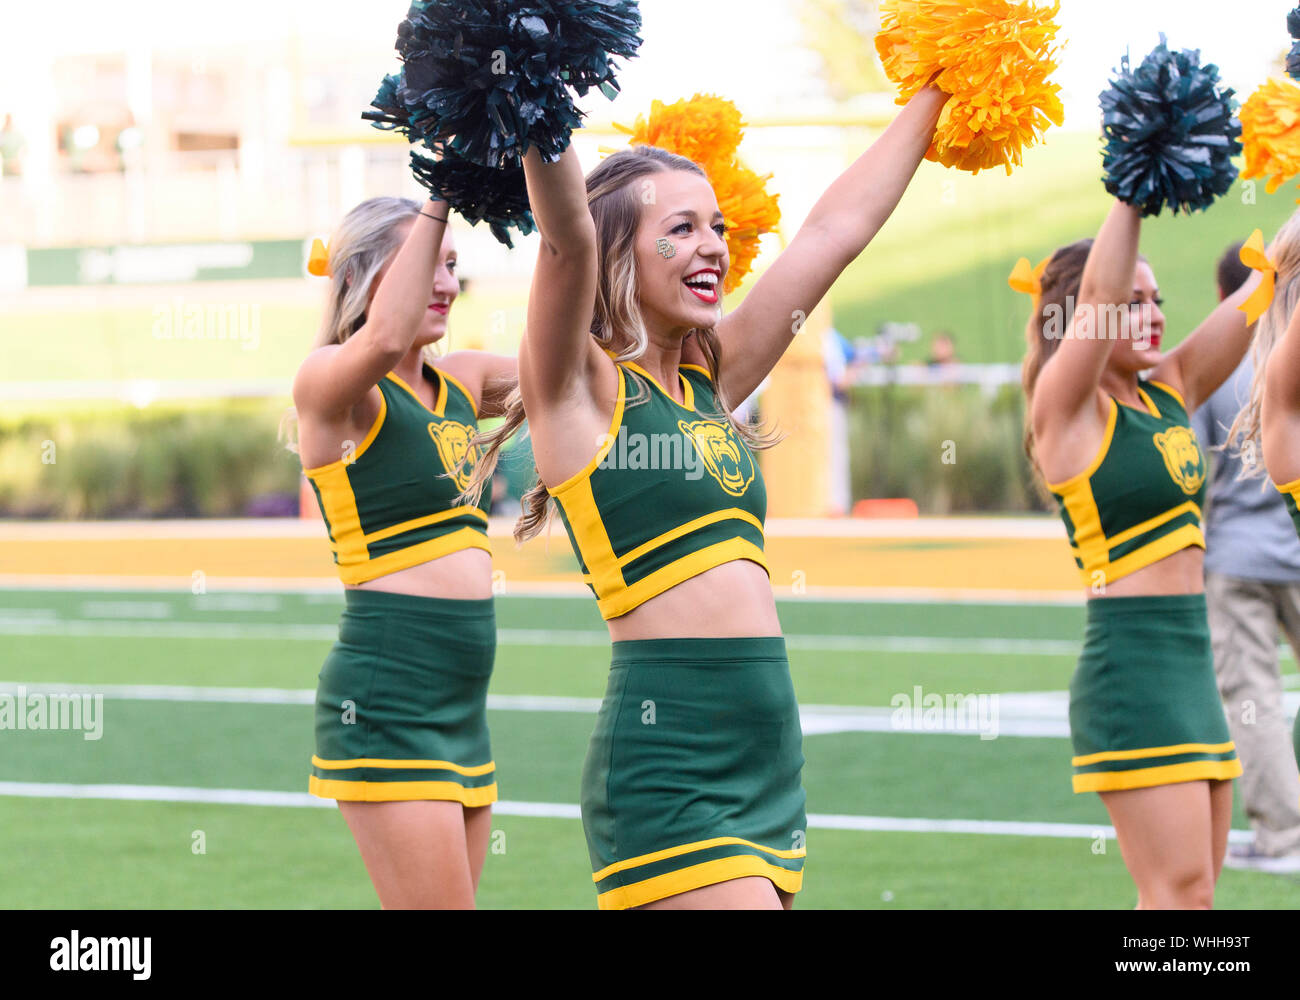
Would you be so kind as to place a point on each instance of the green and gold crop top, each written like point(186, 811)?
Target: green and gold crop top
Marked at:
point(1291, 494)
point(388, 504)
point(672, 492)
point(1141, 498)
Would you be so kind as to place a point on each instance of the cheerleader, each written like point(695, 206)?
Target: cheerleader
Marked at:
point(384, 428)
point(1269, 425)
point(1115, 449)
point(691, 792)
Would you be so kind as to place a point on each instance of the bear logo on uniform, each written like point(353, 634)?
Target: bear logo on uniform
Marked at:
point(453, 440)
point(1183, 458)
point(728, 461)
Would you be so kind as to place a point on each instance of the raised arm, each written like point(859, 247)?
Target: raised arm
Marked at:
point(1281, 406)
point(1068, 383)
point(1205, 360)
point(1282, 377)
point(490, 378)
point(845, 219)
point(558, 352)
point(334, 379)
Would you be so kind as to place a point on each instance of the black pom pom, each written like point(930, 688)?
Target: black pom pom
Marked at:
point(587, 34)
point(484, 80)
point(1171, 133)
point(478, 193)
point(1293, 60)
point(390, 113)
point(393, 114)
point(498, 197)
point(488, 80)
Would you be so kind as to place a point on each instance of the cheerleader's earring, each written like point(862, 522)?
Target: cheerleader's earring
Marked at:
point(665, 248)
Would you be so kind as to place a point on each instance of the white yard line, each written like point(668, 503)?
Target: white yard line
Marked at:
point(555, 810)
point(45, 621)
point(273, 696)
point(1016, 713)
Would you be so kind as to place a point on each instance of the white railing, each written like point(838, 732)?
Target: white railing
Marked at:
point(988, 377)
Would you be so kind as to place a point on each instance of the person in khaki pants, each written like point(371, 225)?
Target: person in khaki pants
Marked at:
point(1252, 586)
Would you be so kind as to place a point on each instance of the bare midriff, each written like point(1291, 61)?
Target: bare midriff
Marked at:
point(464, 575)
point(730, 601)
point(1181, 572)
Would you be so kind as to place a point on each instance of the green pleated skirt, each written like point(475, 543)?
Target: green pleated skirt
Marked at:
point(1144, 705)
point(692, 776)
point(401, 704)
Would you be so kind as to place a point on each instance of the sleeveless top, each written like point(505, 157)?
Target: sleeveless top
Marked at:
point(1141, 498)
point(388, 504)
point(1291, 494)
point(672, 492)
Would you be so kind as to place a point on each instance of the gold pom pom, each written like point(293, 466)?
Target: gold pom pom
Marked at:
point(993, 56)
point(707, 130)
point(703, 129)
point(1270, 133)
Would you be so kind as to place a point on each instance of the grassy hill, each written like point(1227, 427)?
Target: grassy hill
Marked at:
point(941, 262)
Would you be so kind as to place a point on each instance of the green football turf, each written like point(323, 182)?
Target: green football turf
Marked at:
point(943, 258)
point(124, 855)
point(62, 852)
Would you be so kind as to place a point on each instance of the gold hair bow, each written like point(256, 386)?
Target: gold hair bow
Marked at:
point(319, 261)
point(1029, 280)
point(1254, 257)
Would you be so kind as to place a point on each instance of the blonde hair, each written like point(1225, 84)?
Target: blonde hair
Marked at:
point(617, 324)
point(358, 249)
point(1245, 433)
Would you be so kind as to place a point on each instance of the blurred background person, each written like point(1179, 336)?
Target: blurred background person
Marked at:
point(942, 360)
point(1252, 585)
point(943, 351)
